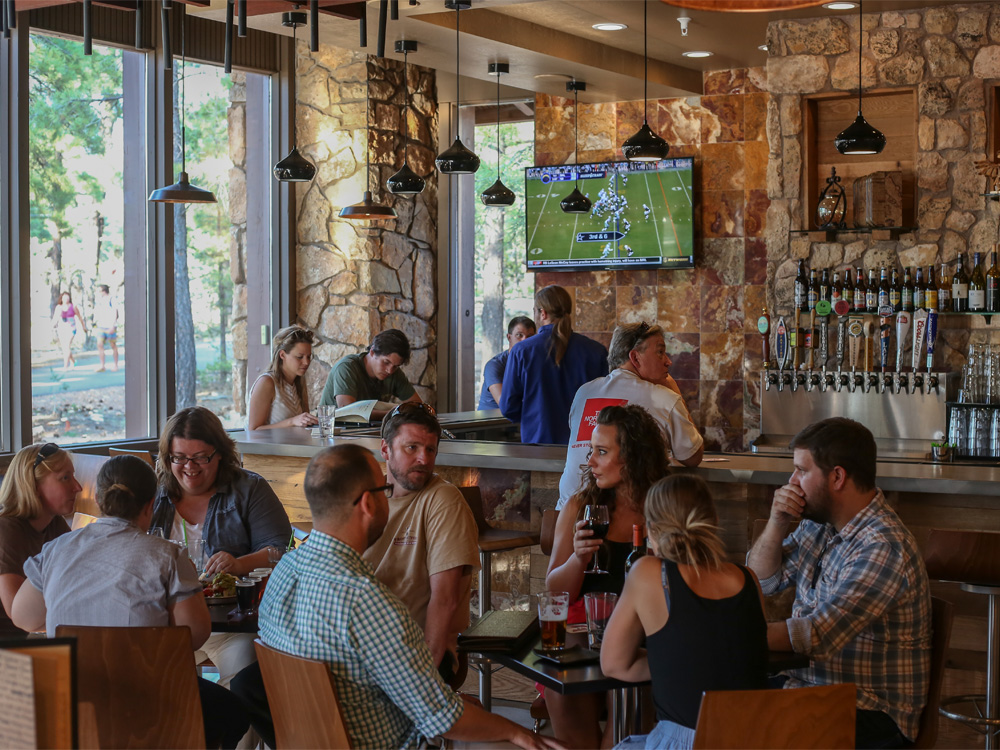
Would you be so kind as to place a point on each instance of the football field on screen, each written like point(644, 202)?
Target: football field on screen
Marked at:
point(652, 209)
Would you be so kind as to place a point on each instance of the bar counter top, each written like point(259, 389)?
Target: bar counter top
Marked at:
point(746, 468)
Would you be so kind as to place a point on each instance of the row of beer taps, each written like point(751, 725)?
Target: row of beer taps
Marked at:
point(802, 355)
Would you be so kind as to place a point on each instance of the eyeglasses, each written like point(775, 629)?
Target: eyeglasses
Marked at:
point(386, 488)
point(405, 407)
point(45, 452)
point(200, 460)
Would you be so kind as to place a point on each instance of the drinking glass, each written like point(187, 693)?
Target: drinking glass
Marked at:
point(326, 414)
point(596, 519)
point(260, 582)
point(196, 551)
point(245, 595)
point(553, 608)
point(598, 605)
point(274, 555)
point(156, 531)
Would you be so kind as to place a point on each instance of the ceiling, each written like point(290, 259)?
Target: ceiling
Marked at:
point(555, 39)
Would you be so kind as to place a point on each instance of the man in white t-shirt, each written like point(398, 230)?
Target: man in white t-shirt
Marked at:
point(640, 374)
point(106, 324)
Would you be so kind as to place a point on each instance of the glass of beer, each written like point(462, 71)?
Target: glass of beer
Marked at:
point(245, 595)
point(553, 606)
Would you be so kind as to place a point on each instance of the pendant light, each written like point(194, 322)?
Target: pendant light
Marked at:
point(576, 202)
point(182, 191)
point(457, 159)
point(294, 167)
point(405, 181)
point(645, 145)
point(859, 137)
point(498, 195)
point(367, 208)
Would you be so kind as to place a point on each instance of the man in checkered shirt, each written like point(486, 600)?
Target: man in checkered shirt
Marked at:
point(862, 610)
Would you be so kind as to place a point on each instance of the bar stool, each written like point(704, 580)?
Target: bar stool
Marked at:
point(972, 559)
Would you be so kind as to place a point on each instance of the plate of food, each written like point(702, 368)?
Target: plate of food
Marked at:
point(219, 588)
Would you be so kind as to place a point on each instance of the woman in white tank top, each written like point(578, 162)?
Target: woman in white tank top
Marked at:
point(279, 397)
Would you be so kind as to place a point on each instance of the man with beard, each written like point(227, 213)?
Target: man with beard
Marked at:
point(862, 610)
point(429, 550)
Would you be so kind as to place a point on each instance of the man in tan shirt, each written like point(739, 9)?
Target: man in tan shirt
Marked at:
point(428, 551)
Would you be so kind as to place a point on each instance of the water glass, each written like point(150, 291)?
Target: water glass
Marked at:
point(196, 551)
point(598, 605)
point(274, 555)
point(553, 608)
point(156, 531)
point(326, 414)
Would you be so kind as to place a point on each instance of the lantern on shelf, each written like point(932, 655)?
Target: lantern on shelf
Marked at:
point(832, 204)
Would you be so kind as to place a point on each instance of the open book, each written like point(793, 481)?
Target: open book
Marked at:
point(361, 411)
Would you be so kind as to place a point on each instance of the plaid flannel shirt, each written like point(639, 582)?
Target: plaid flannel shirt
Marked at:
point(862, 610)
point(324, 602)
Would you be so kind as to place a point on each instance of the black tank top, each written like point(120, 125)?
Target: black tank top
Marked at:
point(707, 644)
point(612, 557)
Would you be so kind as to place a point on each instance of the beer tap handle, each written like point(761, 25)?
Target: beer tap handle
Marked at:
point(919, 332)
point(869, 330)
point(932, 321)
point(811, 339)
point(795, 342)
point(883, 340)
point(764, 327)
point(902, 328)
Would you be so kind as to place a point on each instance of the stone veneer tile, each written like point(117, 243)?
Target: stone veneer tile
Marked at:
point(691, 393)
point(756, 82)
point(598, 155)
point(679, 307)
point(755, 261)
point(644, 277)
point(628, 119)
point(677, 120)
point(722, 404)
point(722, 121)
point(755, 213)
point(636, 304)
point(721, 356)
point(755, 117)
point(722, 213)
point(595, 308)
point(721, 308)
point(722, 260)
point(597, 127)
point(569, 279)
point(601, 337)
point(722, 166)
point(554, 129)
point(552, 158)
point(753, 356)
point(685, 350)
point(725, 81)
point(754, 299)
point(755, 158)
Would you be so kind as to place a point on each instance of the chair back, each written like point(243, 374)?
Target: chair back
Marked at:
point(144, 455)
point(474, 497)
point(142, 684)
point(549, 519)
point(965, 556)
point(303, 700)
point(812, 717)
point(50, 664)
point(80, 520)
point(86, 466)
point(942, 613)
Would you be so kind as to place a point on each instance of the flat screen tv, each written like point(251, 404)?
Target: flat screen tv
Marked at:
point(641, 216)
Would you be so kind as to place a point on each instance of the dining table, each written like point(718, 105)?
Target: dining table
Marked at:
point(226, 618)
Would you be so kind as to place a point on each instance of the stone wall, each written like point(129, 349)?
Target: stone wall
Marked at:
point(237, 118)
point(709, 313)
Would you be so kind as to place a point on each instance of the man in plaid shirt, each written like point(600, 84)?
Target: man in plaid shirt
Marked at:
point(862, 610)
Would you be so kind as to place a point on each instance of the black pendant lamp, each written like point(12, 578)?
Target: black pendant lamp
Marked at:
point(859, 137)
point(294, 167)
point(367, 208)
point(576, 202)
point(498, 195)
point(182, 191)
point(405, 181)
point(645, 145)
point(457, 159)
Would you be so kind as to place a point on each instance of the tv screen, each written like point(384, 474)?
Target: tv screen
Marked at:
point(641, 216)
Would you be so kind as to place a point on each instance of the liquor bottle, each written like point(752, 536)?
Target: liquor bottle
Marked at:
point(944, 290)
point(993, 285)
point(836, 290)
point(895, 292)
point(960, 288)
point(812, 291)
point(871, 293)
point(824, 285)
point(638, 546)
point(801, 288)
point(908, 293)
point(847, 290)
point(860, 291)
point(931, 296)
point(919, 291)
point(977, 285)
point(884, 297)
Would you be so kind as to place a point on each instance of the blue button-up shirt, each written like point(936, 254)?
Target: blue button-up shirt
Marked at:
point(323, 602)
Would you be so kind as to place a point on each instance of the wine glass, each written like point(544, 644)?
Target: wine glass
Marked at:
point(596, 519)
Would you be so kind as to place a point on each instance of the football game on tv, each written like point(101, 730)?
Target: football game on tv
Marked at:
point(641, 216)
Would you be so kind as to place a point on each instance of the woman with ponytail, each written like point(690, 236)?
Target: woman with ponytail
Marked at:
point(701, 617)
point(544, 372)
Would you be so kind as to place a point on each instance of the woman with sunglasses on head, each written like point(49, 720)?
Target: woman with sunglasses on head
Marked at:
point(627, 456)
point(39, 489)
point(279, 397)
point(205, 494)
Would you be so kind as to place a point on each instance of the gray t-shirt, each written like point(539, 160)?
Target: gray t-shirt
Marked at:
point(110, 573)
point(349, 378)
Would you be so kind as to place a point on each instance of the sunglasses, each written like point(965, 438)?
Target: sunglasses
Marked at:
point(47, 451)
point(406, 406)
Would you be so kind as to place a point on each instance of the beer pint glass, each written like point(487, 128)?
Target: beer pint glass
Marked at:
point(553, 606)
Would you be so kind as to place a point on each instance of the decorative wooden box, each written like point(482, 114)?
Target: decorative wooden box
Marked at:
point(878, 200)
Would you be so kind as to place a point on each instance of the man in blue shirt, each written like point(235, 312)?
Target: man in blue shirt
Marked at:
point(518, 330)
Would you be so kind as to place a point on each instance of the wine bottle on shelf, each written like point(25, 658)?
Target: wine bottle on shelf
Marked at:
point(895, 292)
point(871, 293)
point(919, 292)
point(944, 291)
point(884, 297)
point(836, 290)
point(638, 546)
point(993, 285)
point(931, 295)
point(977, 285)
point(960, 288)
point(860, 291)
point(801, 287)
point(824, 285)
point(812, 291)
point(847, 290)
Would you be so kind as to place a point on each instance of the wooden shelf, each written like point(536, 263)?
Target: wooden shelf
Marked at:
point(879, 234)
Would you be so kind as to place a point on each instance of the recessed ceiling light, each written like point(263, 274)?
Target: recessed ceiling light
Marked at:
point(558, 76)
point(697, 53)
point(609, 26)
point(840, 5)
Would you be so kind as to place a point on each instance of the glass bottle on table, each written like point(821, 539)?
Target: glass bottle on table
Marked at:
point(638, 546)
point(993, 285)
point(977, 285)
point(960, 288)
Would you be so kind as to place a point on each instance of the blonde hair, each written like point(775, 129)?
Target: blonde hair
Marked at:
point(681, 517)
point(284, 341)
point(557, 303)
point(19, 496)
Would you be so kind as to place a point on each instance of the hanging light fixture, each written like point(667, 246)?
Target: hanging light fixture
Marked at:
point(576, 202)
point(457, 159)
point(182, 191)
point(859, 137)
point(498, 195)
point(294, 167)
point(645, 145)
point(405, 181)
point(367, 208)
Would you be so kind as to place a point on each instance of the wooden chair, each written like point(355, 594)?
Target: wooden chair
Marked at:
point(549, 519)
point(86, 467)
point(303, 700)
point(814, 717)
point(144, 455)
point(80, 520)
point(942, 614)
point(142, 684)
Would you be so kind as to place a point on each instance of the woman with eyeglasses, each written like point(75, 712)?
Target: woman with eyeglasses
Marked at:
point(205, 494)
point(627, 455)
point(279, 397)
point(39, 489)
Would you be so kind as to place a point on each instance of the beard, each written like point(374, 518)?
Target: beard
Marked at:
point(413, 480)
point(818, 506)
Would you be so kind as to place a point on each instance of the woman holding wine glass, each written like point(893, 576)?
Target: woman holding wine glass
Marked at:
point(627, 456)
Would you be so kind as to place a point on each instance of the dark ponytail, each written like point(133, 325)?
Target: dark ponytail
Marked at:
point(557, 303)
